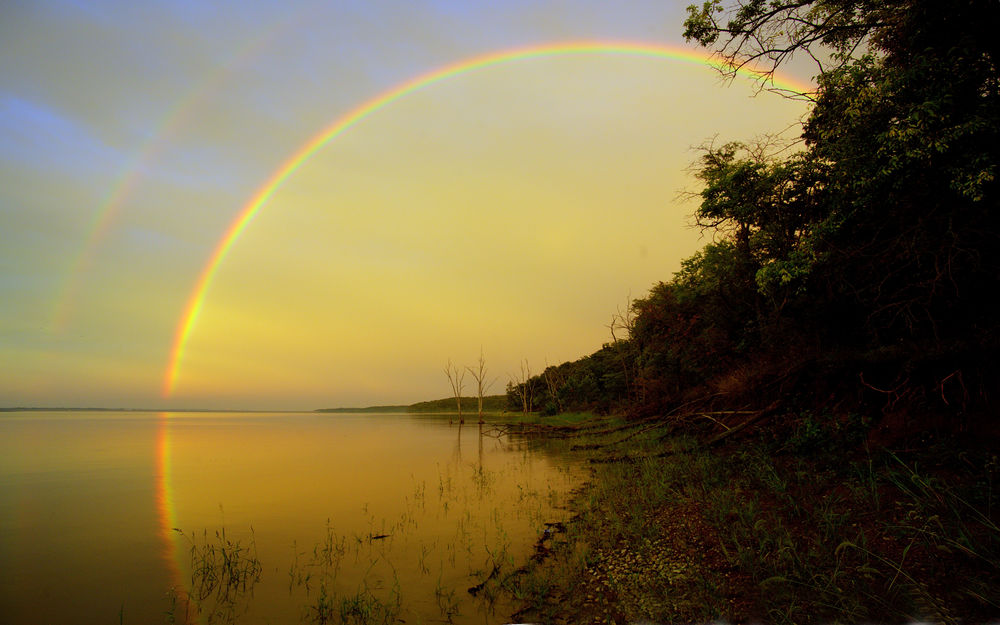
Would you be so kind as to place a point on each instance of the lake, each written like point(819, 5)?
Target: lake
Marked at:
point(145, 517)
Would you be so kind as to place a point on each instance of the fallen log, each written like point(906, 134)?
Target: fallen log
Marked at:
point(757, 416)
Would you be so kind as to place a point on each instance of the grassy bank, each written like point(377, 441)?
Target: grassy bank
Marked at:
point(470, 405)
point(817, 527)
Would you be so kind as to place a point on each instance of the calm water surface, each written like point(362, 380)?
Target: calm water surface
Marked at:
point(109, 517)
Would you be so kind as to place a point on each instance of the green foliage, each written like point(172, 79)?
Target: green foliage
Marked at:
point(871, 252)
point(594, 383)
point(491, 403)
point(880, 233)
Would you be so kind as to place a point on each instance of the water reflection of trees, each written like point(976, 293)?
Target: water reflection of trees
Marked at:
point(479, 551)
point(546, 441)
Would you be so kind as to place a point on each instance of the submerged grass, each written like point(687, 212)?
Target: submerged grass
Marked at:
point(317, 574)
point(670, 529)
point(224, 572)
point(352, 577)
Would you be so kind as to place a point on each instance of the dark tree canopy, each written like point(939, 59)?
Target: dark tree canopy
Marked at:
point(836, 32)
point(879, 239)
point(845, 301)
point(893, 201)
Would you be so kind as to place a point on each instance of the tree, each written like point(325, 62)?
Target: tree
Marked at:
point(890, 214)
point(623, 322)
point(764, 35)
point(841, 33)
point(521, 387)
point(554, 381)
point(876, 240)
point(456, 378)
point(482, 384)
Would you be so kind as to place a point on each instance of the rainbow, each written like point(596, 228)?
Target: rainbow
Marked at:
point(129, 177)
point(100, 224)
point(189, 317)
point(166, 512)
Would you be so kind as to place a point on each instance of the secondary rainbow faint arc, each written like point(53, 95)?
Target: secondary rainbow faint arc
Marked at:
point(194, 305)
point(130, 176)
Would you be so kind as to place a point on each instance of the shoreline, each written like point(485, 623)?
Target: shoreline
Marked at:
point(671, 529)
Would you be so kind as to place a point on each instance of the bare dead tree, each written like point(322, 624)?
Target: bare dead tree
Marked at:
point(623, 322)
point(522, 386)
point(526, 374)
point(456, 377)
point(482, 384)
point(554, 381)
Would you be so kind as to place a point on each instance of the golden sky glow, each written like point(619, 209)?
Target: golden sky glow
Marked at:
point(512, 208)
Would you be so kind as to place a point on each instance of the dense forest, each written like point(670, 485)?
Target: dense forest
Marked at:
point(855, 268)
point(801, 422)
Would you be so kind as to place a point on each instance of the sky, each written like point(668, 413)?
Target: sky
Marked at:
point(510, 208)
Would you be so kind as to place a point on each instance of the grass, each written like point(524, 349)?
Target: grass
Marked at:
point(810, 529)
point(317, 573)
point(224, 572)
point(536, 418)
point(813, 527)
point(357, 575)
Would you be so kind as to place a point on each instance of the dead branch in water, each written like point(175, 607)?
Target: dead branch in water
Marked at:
point(474, 590)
